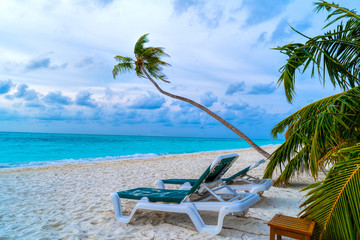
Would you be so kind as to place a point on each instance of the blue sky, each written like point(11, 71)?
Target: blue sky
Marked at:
point(56, 59)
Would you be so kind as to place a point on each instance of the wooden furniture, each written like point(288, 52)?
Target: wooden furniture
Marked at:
point(297, 228)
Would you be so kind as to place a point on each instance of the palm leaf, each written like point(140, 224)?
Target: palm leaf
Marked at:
point(125, 64)
point(334, 54)
point(139, 45)
point(343, 12)
point(334, 203)
point(313, 135)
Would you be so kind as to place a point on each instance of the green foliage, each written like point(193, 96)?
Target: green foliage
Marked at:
point(148, 58)
point(334, 204)
point(314, 133)
point(334, 54)
point(125, 64)
point(325, 134)
point(320, 129)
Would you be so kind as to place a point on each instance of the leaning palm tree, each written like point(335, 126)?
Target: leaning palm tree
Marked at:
point(148, 64)
point(325, 135)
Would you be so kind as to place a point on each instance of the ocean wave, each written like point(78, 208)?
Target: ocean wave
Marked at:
point(81, 160)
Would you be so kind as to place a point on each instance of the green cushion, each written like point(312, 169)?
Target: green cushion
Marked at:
point(179, 181)
point(155, 194)
point(239, 174)
point(193, 181)
point(213, 174)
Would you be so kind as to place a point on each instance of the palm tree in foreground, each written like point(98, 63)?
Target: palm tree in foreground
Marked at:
point(148, 64)
point(325, 134)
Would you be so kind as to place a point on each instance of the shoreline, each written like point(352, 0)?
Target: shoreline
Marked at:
point(111, 159)
point(72, 201)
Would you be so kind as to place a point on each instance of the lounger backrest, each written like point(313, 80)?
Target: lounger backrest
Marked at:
point(215, 171)
point(244, 171)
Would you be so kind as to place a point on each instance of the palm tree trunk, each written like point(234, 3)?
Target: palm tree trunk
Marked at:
point(214, 115)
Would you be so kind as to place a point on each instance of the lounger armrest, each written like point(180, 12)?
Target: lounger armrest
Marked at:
point(257, 164)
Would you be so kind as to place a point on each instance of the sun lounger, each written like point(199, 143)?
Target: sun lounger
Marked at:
point(202, 196)
point(240, 181)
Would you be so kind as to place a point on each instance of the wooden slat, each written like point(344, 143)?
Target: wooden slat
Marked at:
point(291, 224)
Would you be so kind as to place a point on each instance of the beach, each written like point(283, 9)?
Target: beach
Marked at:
point(72, 201)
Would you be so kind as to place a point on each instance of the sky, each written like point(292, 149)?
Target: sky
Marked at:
point(56, 61)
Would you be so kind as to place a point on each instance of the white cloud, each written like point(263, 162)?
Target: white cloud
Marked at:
point(70, 45)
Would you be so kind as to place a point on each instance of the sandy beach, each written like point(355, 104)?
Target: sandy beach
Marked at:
point(72, 201)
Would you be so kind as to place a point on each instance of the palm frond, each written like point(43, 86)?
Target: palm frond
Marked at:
point(139, 45)
point(150, 59)
point(335, 54)
point(314, 133)
point(139, 72)
point(341, 11)
point(334, 203)
point(125, 64)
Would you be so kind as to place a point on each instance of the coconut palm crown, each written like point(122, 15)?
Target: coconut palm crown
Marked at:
point(148, 58)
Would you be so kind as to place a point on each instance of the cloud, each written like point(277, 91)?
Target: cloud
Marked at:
point(101, 3)
point(86, 61)
point(34, 104)
point(261, 38)
point(24, 92)
point(263, 89)
point(43, 63)
point(5, 86)
point(237, 106)
point(261, 11)
point(181, 6)
point(149, 101)
point(208, 99)
point(304, 23)
point(57, 98)
point(109, 93)
point(187, 114)
point(208, 13)
point(282, 30)
point(208, 60)
point(104, 2)
point(235, 87)
point(84, 99)
point(9, 114)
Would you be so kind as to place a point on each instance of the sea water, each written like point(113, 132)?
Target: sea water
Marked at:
point(33, 149)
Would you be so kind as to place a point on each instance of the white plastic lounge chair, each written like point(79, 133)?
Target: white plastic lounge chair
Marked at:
point(202, 196)
point(240, 181)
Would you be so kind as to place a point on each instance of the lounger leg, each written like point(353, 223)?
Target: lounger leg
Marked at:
point(212, 229)
point(117, 209)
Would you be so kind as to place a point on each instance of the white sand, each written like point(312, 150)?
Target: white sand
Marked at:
point(72, 201)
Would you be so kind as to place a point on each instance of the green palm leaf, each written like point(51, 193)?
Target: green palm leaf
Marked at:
point(335, 202)
point(139, 45)
point(335, 54)
point(343, 12)
point(314, 133)
point(326, 132)
point(125, 64)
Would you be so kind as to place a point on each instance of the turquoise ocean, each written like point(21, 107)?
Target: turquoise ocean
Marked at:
point(34, 149)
